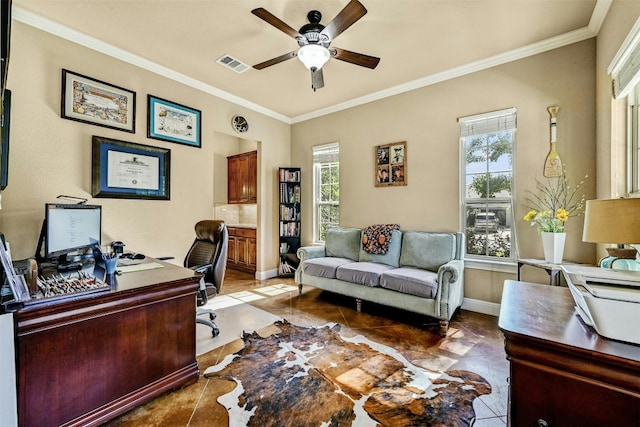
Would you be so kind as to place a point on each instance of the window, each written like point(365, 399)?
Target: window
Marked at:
point(326, 185)
point(625, 73)
point(487, 142)
point(633, 121)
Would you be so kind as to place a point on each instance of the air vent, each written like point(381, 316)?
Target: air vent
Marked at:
point(233, 63)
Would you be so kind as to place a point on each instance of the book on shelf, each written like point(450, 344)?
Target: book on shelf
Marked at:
point(288, 175)
point(289, 229)
point(289, 194)
point(286, 268)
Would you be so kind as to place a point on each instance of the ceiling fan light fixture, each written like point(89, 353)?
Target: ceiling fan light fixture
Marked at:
point(313, 56)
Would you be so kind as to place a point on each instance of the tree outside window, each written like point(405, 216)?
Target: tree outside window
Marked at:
point(326, 189)
point(488, 142)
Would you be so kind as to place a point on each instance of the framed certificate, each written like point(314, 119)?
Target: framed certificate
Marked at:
point(88, 100)
point(127, 170)
point(169, 121)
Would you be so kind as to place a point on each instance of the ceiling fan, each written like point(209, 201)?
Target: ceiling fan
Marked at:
point(314, 40)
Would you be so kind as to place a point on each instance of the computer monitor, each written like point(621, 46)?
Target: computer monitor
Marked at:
point(71, 228)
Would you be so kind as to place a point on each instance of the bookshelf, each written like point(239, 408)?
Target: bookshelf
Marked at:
point(288, 220)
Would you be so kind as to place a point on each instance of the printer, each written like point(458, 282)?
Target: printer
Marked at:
point(607, 300)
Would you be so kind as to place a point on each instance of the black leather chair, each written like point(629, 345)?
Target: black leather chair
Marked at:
point(208, 255)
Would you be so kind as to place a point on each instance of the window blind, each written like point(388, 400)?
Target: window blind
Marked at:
point(625, 67)
point(326, 153)
point(491, 122)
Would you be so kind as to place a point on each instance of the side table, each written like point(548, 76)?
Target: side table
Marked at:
point(553, 270)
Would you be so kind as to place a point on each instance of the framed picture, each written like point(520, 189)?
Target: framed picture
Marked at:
point(391, 164)
point(125, 170)
point(92, 101)
point(173, 122)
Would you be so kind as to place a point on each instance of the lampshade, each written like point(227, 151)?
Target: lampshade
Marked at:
point(612, 221)
point(313, 56)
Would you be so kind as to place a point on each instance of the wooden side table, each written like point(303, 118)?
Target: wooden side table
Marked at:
point(553, 270)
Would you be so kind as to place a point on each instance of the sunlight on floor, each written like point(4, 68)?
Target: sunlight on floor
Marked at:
point(235, 298)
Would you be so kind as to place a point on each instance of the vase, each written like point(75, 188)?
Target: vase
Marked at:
point(553, 245)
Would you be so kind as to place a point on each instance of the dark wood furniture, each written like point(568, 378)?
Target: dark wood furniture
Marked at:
point(242, 253)
point(562, 373)
point(289, 199)
point(84, 360)
point(242, 178)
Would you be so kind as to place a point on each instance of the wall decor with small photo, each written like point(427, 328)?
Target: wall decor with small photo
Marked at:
point(391, 164)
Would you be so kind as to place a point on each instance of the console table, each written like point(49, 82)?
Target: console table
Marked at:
point(84, 360)
point(562, 373)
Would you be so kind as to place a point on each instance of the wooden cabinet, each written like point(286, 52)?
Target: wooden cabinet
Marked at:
point(289, 220)
point(562, 373)
point(242, 178)
point(242, 249)
point(252, 177)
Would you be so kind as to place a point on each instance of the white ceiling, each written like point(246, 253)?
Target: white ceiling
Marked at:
point(420, 42)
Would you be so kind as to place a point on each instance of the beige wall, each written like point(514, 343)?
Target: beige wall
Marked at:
point(51, 156)
point(427, 119)
point(611, 139)
point(611, 113)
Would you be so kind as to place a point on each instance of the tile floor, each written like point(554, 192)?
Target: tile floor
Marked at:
point(473, 343)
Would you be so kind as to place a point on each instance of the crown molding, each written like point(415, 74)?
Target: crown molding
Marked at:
point(597, 18)
point(62, 31)
point(576, 36)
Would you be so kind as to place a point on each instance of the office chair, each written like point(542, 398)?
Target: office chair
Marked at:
point(208, 255)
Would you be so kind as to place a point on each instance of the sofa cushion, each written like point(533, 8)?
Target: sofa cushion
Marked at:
point(362, 273)
point(324, 266)
point(427, 250)
point(412, 281)
point(343, 242)
point(392, 257)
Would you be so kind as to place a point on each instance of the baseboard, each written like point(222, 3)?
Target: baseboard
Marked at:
point(479, 306)
point(268, 274)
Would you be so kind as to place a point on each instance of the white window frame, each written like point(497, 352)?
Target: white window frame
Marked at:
point(322, 155)
point(480, 124)
point(625, 74)
point(633, 145)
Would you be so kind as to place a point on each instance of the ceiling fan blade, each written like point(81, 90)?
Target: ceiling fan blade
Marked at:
point(343, 20)
point(317, 79)
point(356, 58)
point(276, 60)
point(270, 18)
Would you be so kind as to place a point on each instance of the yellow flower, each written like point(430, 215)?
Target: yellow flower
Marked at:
point(530, 215)
point(562, 214)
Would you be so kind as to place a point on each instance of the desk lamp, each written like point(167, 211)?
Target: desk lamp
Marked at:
point(614, 221)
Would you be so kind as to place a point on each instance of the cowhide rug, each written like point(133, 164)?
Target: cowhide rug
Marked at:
point(316, 377)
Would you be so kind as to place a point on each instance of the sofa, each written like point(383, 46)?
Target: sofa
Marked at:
point(421, 271)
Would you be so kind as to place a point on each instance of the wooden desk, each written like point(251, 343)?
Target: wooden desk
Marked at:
point(561, 371)
point(85, 360)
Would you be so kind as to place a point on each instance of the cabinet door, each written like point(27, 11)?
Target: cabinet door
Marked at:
point(242, 253)
point(251, 249)
point(565, 399)
point(231, 251)
point(243, 179)
point(233, 177)
point(253, 177)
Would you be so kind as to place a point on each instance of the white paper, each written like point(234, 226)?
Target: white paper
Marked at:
point(135, 171)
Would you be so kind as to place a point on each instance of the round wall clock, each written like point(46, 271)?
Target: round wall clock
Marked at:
point(240, 124)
